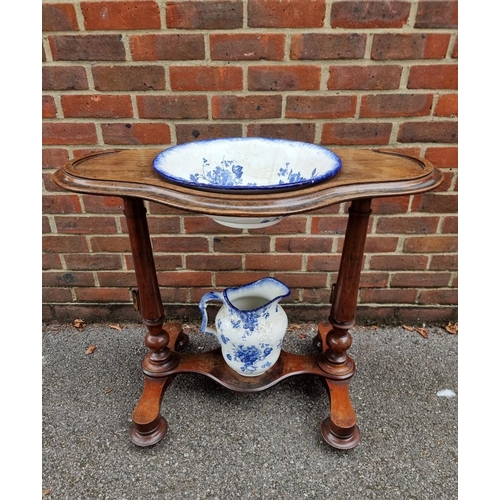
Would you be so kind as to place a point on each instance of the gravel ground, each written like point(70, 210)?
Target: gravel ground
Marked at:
point(227, 445)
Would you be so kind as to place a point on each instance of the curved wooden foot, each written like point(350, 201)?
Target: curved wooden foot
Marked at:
point(334, 440)
point(340, 429)
point(141, 437)
point(149, 426)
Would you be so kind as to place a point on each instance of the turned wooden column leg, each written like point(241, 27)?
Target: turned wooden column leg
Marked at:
point(149, 426)
point(340, 429)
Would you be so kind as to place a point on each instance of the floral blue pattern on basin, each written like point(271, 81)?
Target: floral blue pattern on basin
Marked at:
point(247, 164)
point(250, 325)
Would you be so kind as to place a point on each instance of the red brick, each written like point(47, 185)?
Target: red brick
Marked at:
point(394, 105)
point(180, 244)
point(48, 107)
point(320, 106)
point(286, 14)
point(433, 76)
point(97, 106)
point(50, 185)
point(50, 295)
point(444, 262)
point(289, 225)
point(213, 15)
point(198, 224)
point(46, 225)
point(51, 261)
point(64, 244)
point(101, 294)
point(396, 262)
point(364, 77)
point(420, 280)
point(437, 14)
point(449, 181)
point(430, 244)
point(273, 262)
point(302, 279)
point(215, 78)
point(136, 133)
point(328, 225)
point(102, 204)
point(316, 296)
point(454, 51)
point(356, 133)
point(125, 15)
point(387, 296)
point(60, 17)
point(295, 244)
point(410, 46)
point(128, 78)
point(185, 278)
point(447, 105)
point(436, 203)
point(376, 244)
point(54, 157)
point(65, 278)
point(323, 262)
point(369, 14)
point(232, 107)
point(407, 225)
point(116, 279)
point(87, 48)
point(319, 46)
point(247, 47)
point(202, 131)
point(61, 204)
point(111, 243)
point(374, 280)
point(167, 47)
point(284, 77)
point(429, 315)
point(225, 279)
point(162, 262)
point(291, 131)
point(428, 132)
point(442, 156)
point(162, 225)
point(172, 107)
point(450, 225)
point(68, 133)
point(88, 262)
point(64, 78)
point(219, 262)
point(392, 205)
point(86, 225)
point(239, 244)
point(440, 297)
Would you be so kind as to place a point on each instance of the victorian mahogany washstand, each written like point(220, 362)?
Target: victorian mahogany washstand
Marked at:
point(365, 174)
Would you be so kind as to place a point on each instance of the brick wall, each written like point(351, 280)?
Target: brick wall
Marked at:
point(149, 74)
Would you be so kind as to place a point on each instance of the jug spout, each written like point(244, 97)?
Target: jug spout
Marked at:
point(256, 295)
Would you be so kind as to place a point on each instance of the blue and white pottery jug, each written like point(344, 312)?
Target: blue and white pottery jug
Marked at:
point(250, 325)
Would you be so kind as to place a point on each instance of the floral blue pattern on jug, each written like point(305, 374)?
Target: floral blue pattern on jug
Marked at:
point(250, 325)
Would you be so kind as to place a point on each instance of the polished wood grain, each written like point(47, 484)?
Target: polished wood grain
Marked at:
point(364, 174)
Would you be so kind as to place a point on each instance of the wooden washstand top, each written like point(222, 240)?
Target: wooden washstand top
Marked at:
point(364, 174)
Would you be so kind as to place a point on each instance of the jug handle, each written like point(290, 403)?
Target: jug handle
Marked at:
point(203, 308)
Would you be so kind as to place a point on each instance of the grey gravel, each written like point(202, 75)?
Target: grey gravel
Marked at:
point(224, 445)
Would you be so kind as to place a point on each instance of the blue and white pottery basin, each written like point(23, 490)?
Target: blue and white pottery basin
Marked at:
point(247, 165)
